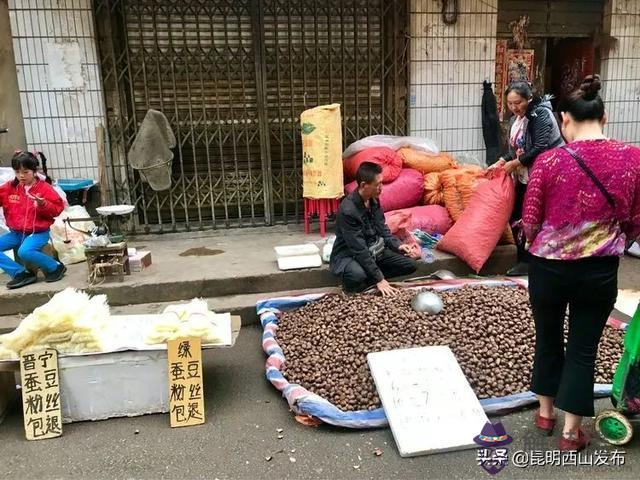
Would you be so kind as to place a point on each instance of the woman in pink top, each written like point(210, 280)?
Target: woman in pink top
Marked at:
point(581, 209)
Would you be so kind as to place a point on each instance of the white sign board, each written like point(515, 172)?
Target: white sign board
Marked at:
point(429, 403)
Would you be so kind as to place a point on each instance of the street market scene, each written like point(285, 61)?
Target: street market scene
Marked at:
point(304, 239)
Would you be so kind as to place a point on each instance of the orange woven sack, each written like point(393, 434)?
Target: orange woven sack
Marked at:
point(433, 191)
point(458, 186)
point(425, 162)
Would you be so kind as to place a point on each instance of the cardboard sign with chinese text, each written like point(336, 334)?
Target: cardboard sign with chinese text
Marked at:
point(41, 394)
point(186, 393)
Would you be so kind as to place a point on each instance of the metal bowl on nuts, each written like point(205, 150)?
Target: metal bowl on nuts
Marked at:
point(427, 302)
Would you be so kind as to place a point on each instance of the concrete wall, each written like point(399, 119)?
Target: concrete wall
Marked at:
point(58, 76)
point(10, 111)
point(621, 70)
point(448, 66)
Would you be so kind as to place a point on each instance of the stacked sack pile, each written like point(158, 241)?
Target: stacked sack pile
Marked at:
point(427, 190)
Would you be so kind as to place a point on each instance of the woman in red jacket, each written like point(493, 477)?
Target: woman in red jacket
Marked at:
point(29, 205)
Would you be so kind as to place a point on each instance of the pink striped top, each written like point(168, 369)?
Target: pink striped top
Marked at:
point(566, 217)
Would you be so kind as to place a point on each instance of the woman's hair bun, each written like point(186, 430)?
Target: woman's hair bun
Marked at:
point(590, 87)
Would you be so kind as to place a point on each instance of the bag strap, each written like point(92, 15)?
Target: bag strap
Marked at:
point(591, 175)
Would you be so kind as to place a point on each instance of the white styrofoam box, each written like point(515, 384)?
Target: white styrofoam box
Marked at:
point(296, 250)
point(120, 384)
point(301, 261)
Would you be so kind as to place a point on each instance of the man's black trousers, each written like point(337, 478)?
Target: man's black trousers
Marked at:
point(392, 264)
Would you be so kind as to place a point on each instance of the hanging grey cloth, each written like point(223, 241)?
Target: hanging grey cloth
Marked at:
point(151, 152)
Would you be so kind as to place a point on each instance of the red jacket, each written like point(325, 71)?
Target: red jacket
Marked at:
point(21, 212)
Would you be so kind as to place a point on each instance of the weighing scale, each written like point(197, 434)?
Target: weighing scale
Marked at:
point(112, 259)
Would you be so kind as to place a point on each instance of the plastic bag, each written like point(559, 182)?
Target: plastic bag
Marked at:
point(404, 192)
point(68, 242)
point(626, 381)
point(391, 141)
point(387, 158)
point(328, 248)
point(425, 162)
point(476, 233)
point(464, 159)
point(3, 224)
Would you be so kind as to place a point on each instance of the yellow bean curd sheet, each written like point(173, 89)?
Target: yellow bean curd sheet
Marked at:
point(128, 332)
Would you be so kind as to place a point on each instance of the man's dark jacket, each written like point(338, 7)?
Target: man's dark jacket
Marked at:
point(357, 229)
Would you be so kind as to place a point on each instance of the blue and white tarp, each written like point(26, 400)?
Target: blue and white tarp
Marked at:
point(303, 402)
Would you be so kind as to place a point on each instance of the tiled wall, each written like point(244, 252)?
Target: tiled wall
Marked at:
point(448, 66)
point(621, 70)
point(59, 82)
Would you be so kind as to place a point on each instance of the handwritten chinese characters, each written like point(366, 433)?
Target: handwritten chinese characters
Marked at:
point(428, 401)
point(186, 395)
point(41, 394)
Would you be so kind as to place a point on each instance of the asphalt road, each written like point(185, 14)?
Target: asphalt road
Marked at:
point(243, 414)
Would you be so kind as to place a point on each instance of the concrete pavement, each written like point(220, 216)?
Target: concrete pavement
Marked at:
point(226, 263)
point(243, 414)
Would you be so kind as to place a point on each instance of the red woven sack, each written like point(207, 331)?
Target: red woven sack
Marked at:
point(476, 233)
point(404, 192)
point(387, 158)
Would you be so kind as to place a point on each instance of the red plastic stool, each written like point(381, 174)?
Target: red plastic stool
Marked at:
point(321, 207)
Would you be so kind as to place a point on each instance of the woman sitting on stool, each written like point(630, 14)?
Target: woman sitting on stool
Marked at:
point(29, 205)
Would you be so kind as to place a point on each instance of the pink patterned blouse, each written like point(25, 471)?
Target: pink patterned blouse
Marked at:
point(566, 217)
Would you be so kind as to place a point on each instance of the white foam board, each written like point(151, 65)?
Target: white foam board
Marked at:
point(304, 261)
point(430, 405)
point(297, 250)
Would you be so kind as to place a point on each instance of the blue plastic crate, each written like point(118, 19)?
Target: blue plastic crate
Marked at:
point(73, 184)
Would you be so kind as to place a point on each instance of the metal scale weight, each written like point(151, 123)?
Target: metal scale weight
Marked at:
point(111, 259)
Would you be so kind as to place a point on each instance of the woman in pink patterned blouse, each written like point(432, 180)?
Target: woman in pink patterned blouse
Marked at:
point(581, 209)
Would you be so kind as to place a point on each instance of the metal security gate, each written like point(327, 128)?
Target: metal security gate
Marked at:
point(233, 77)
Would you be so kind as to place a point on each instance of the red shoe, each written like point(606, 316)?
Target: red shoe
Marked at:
point(545, 425)
point(568, 445)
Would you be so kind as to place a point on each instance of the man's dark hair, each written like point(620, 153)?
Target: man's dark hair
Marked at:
point(367, 172)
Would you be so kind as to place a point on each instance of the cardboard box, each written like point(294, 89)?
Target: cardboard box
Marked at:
point(140, 260)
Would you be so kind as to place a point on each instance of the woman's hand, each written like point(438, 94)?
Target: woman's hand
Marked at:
point(499, 164)
point(512, 166)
